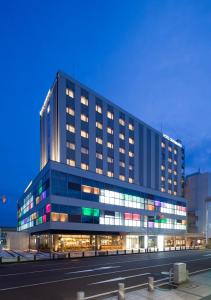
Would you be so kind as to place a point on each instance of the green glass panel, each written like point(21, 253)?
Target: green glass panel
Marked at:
point(40, 220)
point(86, 211)
point(96, 212)
point(40, 190)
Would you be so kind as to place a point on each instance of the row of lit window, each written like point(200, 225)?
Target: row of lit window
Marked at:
point(169, 170)
point(169, 180)
point(170, 149)
point(163, 190)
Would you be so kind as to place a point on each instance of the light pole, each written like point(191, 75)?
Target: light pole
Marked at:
point(207, 200)
point(4, 199)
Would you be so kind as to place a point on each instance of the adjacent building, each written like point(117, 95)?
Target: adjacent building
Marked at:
point(198, 194)
point(107, 180)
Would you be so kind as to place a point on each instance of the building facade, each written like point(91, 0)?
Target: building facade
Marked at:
point(198, 194)
point(107, 179)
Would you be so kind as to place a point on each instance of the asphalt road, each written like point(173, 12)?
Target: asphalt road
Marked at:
point(61, 279)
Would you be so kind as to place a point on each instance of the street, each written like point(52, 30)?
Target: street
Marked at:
point(61, 279)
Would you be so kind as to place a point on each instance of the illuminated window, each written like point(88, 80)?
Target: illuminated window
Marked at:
point(70, 111)
point(99, 125)
point(169, 181)
point(122, 122)
point(63, 217)
point(122, 150)
point(163, 145)
point(175, 172)
point(110, 130)
point(175, 151)
point(131, 167)
point(175, 162)
point(98, 109)
point(71, 162)
point(84, 118)
point(84, 150)
point(110, 159)
point(110, 174)
point(162, 167)
point(70, 128)
point(131, 154)
point(130, 126)
point(110, 145)
point(162, 178)
point(84, 166)
point(69, 93)
point(90, 189)
point(122, 177)
point(84, 134)
point(71, 146)
point(131, 180)
point(99, 155)
point(175, 183)
point(54, 217)
point(175, 193)
point(99, 140)
point(99, 171)
point(121, 136)
point(170, 192)
point(170, 149)
point(121, 163)
point(110, 115)
point(84, 100)
point(169, 160)
point(131, 141)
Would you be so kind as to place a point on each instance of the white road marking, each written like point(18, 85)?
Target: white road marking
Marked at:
point(118, 278)
point(92, 270)
point(96, 265)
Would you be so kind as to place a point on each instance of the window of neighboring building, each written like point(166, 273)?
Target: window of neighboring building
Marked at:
point(70, 93)
point(122, 150)
point(71, 146)
point(99, 140)
point(122, 177)
point(99, 125)
point(99, 171)
point(130, 126)
point(84, 118)
point(110, 130)
point(131, 180)
point(121, 136)
point(110, 115)
point(110, 174)
point(84, 134)
point(84, 166)
point(84, 100)
point(131, 154)
point(70, 128)
point(71, 162)
point(110, 145)
point(122, 122)
point(70, 111)
point(131, 141)
point(98, 108)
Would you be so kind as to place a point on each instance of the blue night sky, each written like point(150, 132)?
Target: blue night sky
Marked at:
point(153, 58)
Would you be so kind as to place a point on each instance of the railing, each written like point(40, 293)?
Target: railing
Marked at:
point(82, 254)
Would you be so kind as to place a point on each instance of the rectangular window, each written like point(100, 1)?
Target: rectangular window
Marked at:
point(70, 128)
point(90, 189)
point(122, 150)
point(110, 174)
point(70, 111)
point(122, 122)
point(162, 167)
point(99, 155)
point(84, 150)
point(131, 167)
point(131, 154)
point(99, 171)
point(131, 141)
point(98, 109)
point(121, 136)
point(71, 162)
point(84, 166)
point(110, 159)
point(99, 125)
point(99, 140)
point(122, 163)
point(84, 134)
point(122, 177)
point(84, 100)
point(71, 146)
point(70, 93)
point(110, 115)
point(131, 180)
point(163, 145)
point(110, 145)
point(130, 126)
point(110, 130)
point(84, 118)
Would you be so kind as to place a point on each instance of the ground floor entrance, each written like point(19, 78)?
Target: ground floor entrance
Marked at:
point(86, 242)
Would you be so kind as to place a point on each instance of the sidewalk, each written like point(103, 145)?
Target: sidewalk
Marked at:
point(198, 287)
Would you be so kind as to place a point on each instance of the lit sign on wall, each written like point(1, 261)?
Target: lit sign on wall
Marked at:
point(172, 140)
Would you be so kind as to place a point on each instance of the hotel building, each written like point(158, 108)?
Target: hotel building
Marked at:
point(107, 180)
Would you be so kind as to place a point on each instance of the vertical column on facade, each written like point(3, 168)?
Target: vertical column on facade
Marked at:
point(136, 152)
point(78, 125)
point(116, 143)
point(105, 138)
point(126, 149)
point(62, 120)
point(153, 166)
point(92, 134)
